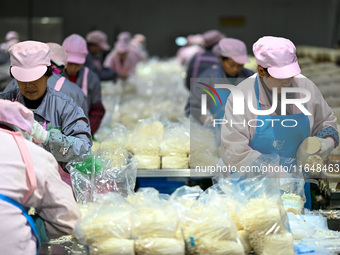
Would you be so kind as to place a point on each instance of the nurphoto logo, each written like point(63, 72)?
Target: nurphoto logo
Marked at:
point(239, 103)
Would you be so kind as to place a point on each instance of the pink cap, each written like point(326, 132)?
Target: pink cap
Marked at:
point(124, 37)
point(12, 35)
point(29, 60)
point(278, 55)
point(76, 49)
point(16, 114)
point(121, 47)
point(216, 50)
point(234, 49)
point(212, 37)
point(57, 54)
point(99, 38)
point(195, 39)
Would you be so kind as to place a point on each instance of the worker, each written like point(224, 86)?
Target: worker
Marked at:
point(59, 63)
point(122, 60)
point(137, 45)
point(61, 126)
point(12, 37)
point(253, 136)
point(29, 179)
point(97, 45)
point(193, 47)
point(205, 60)
point(124, 36)
point(232, 55)
point(76, 49)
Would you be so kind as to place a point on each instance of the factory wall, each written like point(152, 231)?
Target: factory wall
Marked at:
point(307, 22)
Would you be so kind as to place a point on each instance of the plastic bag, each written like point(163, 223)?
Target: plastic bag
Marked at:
point(146, 137)
point(159, 246)
point(112, 137)
point(230, 195)
point(185, 196)
point(152, 217)
point(300, 227)
point(234, 202)
point(206, 228)
point(108, 217)
point(176, 140)
point(104, 171)
point(113, 246)
point(147, 161)
point(292, 192)
point(203, 148)
point(264, 216)
point(155, 225)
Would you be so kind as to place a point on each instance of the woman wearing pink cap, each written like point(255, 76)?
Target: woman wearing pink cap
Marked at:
point(122, 60)
point(60, 125)
point(232, 54)
point(97, 45)
point(29, 178)
point(76, 49)
point(202, 61)
point(57, 81)
point(279, 131)
point(193, 46)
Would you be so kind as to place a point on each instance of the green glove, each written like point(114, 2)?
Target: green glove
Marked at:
point(86, 166)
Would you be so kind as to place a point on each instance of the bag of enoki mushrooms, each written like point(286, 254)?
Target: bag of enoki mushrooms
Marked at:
point(292, 192)
point(155, 226)
point(264, 217)
point(233, 201)
point(106, 228)
point(207, 229)
point(111, 170)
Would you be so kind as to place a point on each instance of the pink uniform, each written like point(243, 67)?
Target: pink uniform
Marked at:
point(52, 198)
point(235, 138)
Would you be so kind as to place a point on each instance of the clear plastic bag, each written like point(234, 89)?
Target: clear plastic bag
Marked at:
point(207, 229)
point(176, 140)
point(264, 216)
point(113, 137)
point(153, 217)
point(159, 246)
point(104, 171)
point(292, 192)
point(203, 146)
point(155, 226)
point(234, 202)
point(106, 228)
point(146, 137)
point(108, 217)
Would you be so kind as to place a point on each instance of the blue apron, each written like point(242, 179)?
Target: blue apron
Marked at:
point(218, 110)
point(28, 217)
point(280, 140)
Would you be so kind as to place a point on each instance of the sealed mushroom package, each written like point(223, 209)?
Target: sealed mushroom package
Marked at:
point(264, 217)
point(207, 229)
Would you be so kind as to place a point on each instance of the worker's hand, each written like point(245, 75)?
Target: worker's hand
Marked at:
point(314, 146)
point(327, 145)
point(38, 133)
